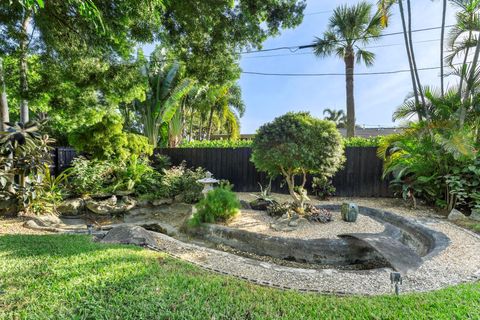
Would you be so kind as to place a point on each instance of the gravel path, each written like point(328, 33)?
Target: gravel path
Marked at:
point(458, 263)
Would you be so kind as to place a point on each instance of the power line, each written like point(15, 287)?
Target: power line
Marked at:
point(339, 74)
point(310, 53)
point(300, 47)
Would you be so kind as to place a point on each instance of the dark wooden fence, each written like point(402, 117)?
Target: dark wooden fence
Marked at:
point(62, 158)
point(360, 177)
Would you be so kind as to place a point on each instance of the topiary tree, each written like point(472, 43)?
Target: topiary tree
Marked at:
point(298, 144)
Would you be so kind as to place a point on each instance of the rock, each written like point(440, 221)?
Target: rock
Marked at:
point(475, 215)
point(455, 215)
point(179, 209)
point(159, 202)
point(179, 198)
point(293, 223)
point(110, 205)
point(71, 207)
point(124, 192)
point(143, 203)
point(261, 204)
point(129, 235)
point(349, 212)
point(245, 205)
point(47, 221)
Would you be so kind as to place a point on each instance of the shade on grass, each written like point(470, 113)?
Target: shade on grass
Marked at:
point(68, 276)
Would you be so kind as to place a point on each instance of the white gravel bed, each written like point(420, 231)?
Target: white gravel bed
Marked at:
point(458, 263)
point(259, 222)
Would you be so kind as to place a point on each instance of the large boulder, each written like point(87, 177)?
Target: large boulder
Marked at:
point(71, 207)
point(47, 221)
point(262, 204)
point(126, 234)
point(456, 215)
point(111, 205)
point(475, 215)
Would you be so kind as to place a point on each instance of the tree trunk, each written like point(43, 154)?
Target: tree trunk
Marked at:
point(24, 42)
point(349, 65)
point(4, 113)
point(412, 52)
point(190, 136)
point(407, 47)
point(442, 39)
point(210, 120)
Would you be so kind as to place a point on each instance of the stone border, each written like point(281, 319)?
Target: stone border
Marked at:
point(437, 274)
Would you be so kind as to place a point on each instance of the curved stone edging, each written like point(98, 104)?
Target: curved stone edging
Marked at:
point(445, 269)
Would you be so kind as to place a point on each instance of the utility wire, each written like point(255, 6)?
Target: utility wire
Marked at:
point(311, 53)
point(312, 45)
point(340, 74)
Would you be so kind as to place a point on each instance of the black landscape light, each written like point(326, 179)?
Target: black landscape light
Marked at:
point(396, 279)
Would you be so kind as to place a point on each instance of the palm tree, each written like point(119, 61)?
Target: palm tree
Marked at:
point(384, 6)
point(464, 37)
point(337, 116)
point(349, 30)
point(167, 90)
point(227, 102)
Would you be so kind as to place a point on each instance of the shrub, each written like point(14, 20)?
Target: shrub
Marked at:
point(363, 142)
point(93, 176)
point(182, 181)
point(106, 140)
point(322, 187)
point(297, 144)
point(216, 144)
point(220, 204)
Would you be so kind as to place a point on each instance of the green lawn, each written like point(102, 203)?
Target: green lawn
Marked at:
point(70, 277)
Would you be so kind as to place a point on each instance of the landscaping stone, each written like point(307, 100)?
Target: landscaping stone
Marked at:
point(261, 204)
point(455, 215)
point(47, 221)
point(71, 207)
point(159, 202)
point(110, 205)
point(349, 212)
point(475, 215)
point(245, 205)
point(129, 235)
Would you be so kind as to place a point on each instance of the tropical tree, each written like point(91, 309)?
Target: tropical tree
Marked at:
point(94, 28)
point(337, 116)
point(349, 30)
point(167, 88)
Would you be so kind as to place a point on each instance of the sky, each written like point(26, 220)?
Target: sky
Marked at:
point(376, 96)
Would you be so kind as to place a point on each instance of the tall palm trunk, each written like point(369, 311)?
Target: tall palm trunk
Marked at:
point(4, 113)
point(409, 56)
point(442, 40)
point(412, 52)
point(24, 116)
point(210, 122)
point(349, 65)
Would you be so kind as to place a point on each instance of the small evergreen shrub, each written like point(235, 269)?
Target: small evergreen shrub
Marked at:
point(220, 204)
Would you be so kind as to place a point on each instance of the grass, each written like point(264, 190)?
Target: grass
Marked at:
point(70, 277)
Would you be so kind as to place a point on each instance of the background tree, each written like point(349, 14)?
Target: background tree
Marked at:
point(349, 30)
point(337, 116)
point(298, 144)
point(29, 27)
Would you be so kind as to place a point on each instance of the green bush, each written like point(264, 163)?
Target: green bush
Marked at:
point(298, 144)
point(363, 142)
point(182, 181)
point(349, 142)
point(106, 140)
point(217, 144)
point(220, 204)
